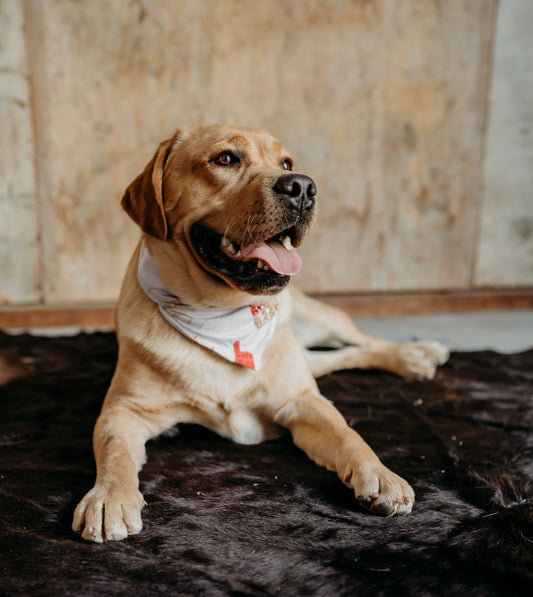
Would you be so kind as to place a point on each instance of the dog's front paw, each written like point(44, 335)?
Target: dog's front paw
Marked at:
point(109, 514)
point(380, 490)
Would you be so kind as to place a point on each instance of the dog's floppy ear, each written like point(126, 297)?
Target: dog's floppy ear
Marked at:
point(143, 199)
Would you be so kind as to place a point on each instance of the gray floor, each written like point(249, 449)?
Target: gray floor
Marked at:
point(505, 331)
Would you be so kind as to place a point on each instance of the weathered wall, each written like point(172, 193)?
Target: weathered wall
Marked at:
point(20, 279)
point(400, 133)
point(383, 103)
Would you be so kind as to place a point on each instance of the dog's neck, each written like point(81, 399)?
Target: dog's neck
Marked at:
point(238, 334)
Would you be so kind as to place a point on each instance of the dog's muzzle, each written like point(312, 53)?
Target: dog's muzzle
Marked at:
point(264, 262)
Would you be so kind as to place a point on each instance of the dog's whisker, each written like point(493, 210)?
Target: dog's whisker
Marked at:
point(228, 228)
point(250, 227)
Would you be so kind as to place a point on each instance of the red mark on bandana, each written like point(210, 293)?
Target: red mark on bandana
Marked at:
point(255, 309)
point(243, 358)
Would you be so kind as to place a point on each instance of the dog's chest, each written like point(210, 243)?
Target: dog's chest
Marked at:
point(231, 407)
point(224, 397)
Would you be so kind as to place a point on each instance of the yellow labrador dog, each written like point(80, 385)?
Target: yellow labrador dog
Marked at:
point(205, 329)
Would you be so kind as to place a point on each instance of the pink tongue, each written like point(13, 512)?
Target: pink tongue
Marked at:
point(275, 255)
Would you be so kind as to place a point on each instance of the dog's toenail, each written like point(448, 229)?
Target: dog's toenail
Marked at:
point(382, 509)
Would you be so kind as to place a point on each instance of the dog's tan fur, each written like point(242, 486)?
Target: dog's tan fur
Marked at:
point(162, 378)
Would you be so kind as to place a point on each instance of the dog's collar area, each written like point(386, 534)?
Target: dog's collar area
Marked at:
point(238, 334)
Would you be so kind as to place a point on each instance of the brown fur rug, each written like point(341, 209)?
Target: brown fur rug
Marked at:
point(233, 520)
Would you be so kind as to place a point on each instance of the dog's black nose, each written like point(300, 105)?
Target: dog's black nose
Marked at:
point(297, 190)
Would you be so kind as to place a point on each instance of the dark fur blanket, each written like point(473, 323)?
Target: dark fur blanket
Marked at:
point(225, 519)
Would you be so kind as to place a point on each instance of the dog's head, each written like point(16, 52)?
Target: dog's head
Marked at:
point(230, 199)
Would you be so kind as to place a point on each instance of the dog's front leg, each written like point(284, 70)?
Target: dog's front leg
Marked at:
point(112, 509)
point(322, 433)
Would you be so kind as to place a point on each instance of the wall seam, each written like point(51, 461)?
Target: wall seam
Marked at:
point(486, 77)
point(30, 32)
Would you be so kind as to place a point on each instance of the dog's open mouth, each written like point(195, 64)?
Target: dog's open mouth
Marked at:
point(255, 266)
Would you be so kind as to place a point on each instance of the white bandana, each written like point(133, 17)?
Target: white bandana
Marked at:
point(239, 334)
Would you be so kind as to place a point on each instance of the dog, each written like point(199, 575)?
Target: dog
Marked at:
point(210, 334)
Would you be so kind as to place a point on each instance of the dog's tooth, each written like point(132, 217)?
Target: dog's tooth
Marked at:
point(225, 242)
point(238, 254)
point(287, 243)
point(260, 264)
point(231, 249)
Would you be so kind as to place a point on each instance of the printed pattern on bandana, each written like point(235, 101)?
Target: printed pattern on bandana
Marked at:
point(239, 334)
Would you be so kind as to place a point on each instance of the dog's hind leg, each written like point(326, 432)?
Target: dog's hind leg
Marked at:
point(402, 359)
point(317, 324)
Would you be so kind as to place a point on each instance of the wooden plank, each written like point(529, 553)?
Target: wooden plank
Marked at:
point(430, 302)
point(379, 101)
point(57, 316)
point(19, 246)
point(356, 305)
point(505, 255)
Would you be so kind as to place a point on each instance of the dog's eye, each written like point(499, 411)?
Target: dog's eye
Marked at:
point(286, 164)
point(226, 158)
